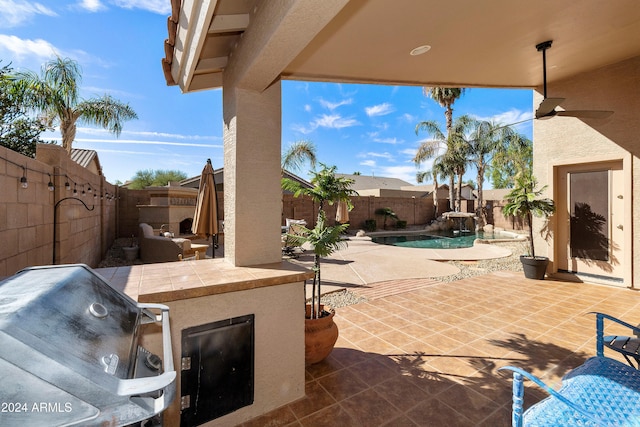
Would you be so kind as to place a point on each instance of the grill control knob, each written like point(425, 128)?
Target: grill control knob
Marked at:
point(98, 310)
point(153, 362)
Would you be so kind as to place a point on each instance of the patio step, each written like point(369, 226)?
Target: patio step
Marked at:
point(392, 287)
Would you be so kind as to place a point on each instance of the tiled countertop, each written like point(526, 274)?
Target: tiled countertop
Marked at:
point(172, 281)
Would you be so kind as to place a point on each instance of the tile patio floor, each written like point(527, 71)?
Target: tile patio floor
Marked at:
point(428, 356)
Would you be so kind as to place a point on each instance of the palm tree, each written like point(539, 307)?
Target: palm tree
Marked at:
point(329, 188)
point(487, 140)
point(438, 169)
point(454, 144)
point(511, 161)
point(298, 153)
point(445, 97)
point(525, 201)
point(56, 94)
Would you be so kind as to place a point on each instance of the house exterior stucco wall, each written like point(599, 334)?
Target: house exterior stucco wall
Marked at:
point(563, 141)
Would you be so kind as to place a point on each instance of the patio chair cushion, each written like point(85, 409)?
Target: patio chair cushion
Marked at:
point(605, 387)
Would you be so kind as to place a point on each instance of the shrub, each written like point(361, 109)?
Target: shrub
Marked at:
point(370, 225)
point(402, 224)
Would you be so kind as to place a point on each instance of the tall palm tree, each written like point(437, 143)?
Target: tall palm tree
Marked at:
point(438, 170)
point(298, 153)
point(488, 139)
point(445, 97)
point(451, 148)
point(56, 94)
point(459, 144)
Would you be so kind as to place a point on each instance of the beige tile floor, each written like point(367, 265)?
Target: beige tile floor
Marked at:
point(429, 356)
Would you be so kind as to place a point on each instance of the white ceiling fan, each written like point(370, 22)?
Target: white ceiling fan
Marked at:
point(547, 108)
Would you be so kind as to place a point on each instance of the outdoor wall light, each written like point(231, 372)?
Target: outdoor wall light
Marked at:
point(88, 188)
point(23, 180)
point(50, 185)
point(67, 186)
point(83, 192)
point(75, 190)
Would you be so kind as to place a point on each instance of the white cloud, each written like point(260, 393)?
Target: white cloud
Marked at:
point(379, 110)
point(385, 155)
point(100, 131)
point(522, 118)
point(17, 12)
point(92, 5)
point(162, 7)
point(409, 118)
point(370, 163)
point(333, 105)
point(140, 142)
point(302, 129)
point(307, 108)
point(334, 121)
point(20, 49)
point(392, 141)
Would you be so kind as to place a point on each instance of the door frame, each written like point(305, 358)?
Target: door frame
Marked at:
point(627, 257)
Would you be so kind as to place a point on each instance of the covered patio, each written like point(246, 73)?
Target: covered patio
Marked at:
point(429, 357)
point(425, 356)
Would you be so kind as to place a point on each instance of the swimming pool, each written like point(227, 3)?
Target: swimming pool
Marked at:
point(440, 240)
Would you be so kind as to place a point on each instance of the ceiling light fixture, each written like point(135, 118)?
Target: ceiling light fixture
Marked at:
point(420, 50)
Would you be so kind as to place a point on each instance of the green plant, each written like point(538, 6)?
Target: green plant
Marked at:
point(325, 240)
point(370, 225)
point(524, 201)
point(327, 187)
point(387, 213)
point(401, 224)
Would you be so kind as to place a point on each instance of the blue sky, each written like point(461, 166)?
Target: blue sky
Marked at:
point(119, 46)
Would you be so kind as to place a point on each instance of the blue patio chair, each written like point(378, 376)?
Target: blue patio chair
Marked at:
point(600, 392)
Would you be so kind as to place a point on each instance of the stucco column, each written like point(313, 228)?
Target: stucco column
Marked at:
point(252, 192)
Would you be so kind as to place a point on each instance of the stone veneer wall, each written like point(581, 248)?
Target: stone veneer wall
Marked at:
point(26, 214)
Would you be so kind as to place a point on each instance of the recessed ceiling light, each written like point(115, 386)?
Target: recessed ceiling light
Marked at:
point(420, 50)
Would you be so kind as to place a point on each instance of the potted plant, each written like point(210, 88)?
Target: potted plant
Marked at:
point(525, 201)
point(321, 332)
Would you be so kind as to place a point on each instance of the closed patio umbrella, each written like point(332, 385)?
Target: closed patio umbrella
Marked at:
point(205, 219)
point(342, 213)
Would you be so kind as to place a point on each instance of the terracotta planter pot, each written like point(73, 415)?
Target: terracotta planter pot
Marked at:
point(320, 335)
point(534, 268)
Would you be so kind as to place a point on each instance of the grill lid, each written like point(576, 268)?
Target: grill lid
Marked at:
point(73, 316)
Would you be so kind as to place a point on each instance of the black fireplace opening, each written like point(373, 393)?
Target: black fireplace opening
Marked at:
point(217, 369)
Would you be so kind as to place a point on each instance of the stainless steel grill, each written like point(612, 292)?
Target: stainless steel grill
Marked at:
point(70, 353)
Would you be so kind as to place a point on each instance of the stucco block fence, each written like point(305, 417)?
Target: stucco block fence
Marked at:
point(27, 214)
point(86, 225)
point(415, 211)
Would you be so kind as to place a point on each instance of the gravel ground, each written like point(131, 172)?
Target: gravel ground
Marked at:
point(115, 255)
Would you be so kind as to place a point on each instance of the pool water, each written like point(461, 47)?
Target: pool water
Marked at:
point(433, 240)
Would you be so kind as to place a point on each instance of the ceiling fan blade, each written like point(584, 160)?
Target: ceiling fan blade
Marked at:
point(547, 106)
point(586, 114)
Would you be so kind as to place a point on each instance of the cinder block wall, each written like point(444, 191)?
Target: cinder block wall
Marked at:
point(83, 234)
